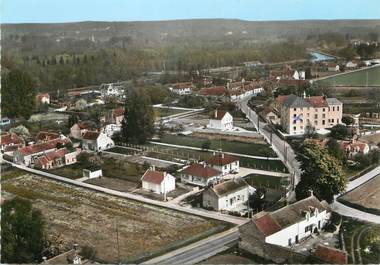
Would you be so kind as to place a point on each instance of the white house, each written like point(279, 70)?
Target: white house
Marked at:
point(221, 120)
point(200, 175)
point(111, 129)
point(112, 90)
point(292, 223)
point(92, 173)
point(96, 141)
point(231, 195)
point(351, 65)
point(182, 88)
point(224, 163)
point(299, 75)
point(158, 182)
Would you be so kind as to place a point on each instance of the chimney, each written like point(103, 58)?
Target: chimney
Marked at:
point(216, 113)
point(204, 165)
point(311, 193)
point(222, 155)
point(153, 168)
point(75, 246)
point(44, 259)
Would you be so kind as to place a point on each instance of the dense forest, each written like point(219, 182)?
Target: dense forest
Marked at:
point(63, 56)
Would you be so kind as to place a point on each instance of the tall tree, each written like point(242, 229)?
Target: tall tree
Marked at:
point(22, 232)
point(138, 116)
point(321, 172)
point(18, 95)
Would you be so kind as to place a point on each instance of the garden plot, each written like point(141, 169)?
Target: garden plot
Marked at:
point(365, 197)
point(76, 215)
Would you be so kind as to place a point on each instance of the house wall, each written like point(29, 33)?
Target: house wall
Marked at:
point(76, 132)
point(156, 188)
point(229, 202)
point(104, 142)
point(229, 168)
point(92, 174)
point(71, 158)
point(282, 237)
point(319, 118)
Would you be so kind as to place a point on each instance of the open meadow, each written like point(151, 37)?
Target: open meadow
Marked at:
point(77, 215)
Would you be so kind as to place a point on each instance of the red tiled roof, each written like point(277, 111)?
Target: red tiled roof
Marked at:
point(46, 136)
point(317, 101)
point(36, 148)
point(118, 112)
point(182, 85)
point(331, 255)
point(347, 146)
point(221, 159)
point(266, 224)
point(201, 171)
point(10, 138)
point(91, 135)
point(213, 91)
point(152, 176)
point(51, 156)
point(218, 114)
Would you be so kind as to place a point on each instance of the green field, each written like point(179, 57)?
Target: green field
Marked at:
point(357, 78)
point(257, 180)
point(227, 146)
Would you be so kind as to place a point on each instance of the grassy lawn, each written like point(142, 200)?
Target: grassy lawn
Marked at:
point(77, 215)
point(111, 167)
point(164, 112)
point(363, 236)
point(227, 146)
point(357, 78)
point(257, 180)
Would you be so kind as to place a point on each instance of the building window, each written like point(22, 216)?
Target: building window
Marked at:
point(323, 110)
point(308, 114)
point(294, 115)
point(315, 116)
point(315, 122)
point(332, 120)
point(289, 242)
point(295, 109)
point(294, 121)
point(323, 122)
point(323, 115)
point(294, 128)
point(333, 108)
point(337, 108)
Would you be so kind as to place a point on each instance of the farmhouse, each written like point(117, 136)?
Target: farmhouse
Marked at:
point(158, 182)
point(231, 195)
point(28, 155)
point(299, 113)
point(272, 234)
point(221, 120)
point(224, 163)
point(96, 141)
point(182, 88)
point(200, 175)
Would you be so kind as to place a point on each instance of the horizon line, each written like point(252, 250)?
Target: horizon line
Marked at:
point(189, 19)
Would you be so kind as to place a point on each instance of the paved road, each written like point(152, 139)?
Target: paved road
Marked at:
point(352, 212)
point(281, 147)
point(136, 197)
point(200, 250)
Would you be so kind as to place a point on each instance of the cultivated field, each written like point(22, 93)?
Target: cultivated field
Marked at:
point(366, 197)
point(357, 78)
point(76, 215)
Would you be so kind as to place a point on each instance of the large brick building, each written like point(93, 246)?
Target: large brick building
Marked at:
point(299, 112)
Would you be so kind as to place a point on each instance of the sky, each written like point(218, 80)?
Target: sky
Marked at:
point(57, 11)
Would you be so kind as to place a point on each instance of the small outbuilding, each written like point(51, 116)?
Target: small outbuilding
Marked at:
point(158, 182)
